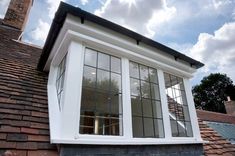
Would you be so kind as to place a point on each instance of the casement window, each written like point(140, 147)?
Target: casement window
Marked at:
point(60, 81)
point(178, 107)
point(145, 102)
point(101, 104)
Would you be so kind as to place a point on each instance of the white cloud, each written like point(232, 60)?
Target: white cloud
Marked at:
point(217, 50)
point(84, 2)
point(40, 33)
point(137, 15)
point(53, 5)
point(3, 7)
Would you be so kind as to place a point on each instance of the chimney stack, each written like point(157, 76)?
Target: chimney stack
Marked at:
point(17, 14)
point(230, 106)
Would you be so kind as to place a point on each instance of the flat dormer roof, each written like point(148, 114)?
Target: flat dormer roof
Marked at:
point(65, 9)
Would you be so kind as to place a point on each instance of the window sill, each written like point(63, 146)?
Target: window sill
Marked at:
point(127, 141)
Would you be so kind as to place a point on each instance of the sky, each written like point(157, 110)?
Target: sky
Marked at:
point(201, 29)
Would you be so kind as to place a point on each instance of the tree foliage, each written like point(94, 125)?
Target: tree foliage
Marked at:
point(213, 91)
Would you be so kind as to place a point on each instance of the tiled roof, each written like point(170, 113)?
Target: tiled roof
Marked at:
point(215, 117)
point(227, 131)
point(216, 146)
point(24, 129)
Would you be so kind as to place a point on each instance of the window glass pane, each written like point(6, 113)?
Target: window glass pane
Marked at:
point(157, 110)
point(88, 99)
point(115, 64)
point(87, 122)
point(158, 126)
point(60, 80)
point(182, 129)
point(90, 57)
point(144, 73)
point(145, 102)
point(147, 108)
point(174, 128)
point(145, 89)
point(116, 85)
point(103, 79)
point(137, 126)
point(148, 127)
point(116, 103)
point(101, 104)
point(134, 70)
point(189, 129)
point(89, 76)
point(103, 61)
point(153, 75)
point(136, 106)
point(155, 92)
point(135, 87)
point(177, 105)
point(186, 113)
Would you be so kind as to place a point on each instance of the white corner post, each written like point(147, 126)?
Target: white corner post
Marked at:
point(192, 110)
point(165, 110)
point(127, 115)
point(72, 91)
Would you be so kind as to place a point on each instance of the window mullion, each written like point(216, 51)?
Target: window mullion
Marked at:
point(191, 108)
point(127, 115)
point(165, 110)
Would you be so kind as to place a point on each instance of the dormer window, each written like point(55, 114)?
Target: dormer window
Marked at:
point(103, 88)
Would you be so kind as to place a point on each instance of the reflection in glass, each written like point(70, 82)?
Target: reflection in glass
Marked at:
point(136, 106)
point(90, 57)
point(103, 61)
point(134, 70)
point(89, 76)
point(145, 89)
point(60, 81)
point(116, 85)
point(135, 87)
point(115, 64)
point(101, 104)
point(147, 109)
point(148, 127)
point(103, 79)
point(155, 92)
point(153, 75)
point(178, 107)
point(144, 73)
point(137, 126)
point(145, 102)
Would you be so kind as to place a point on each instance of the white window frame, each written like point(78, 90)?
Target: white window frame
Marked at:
point(64, 125)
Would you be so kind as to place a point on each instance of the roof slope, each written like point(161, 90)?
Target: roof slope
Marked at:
point(23, 99)
point(65, 9)
point(215, 117)
point(217, 146)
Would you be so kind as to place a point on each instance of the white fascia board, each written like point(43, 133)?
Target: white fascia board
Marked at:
point(130, 141)
point(90, 34)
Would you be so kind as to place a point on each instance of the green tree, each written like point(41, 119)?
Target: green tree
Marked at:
point(213, 91)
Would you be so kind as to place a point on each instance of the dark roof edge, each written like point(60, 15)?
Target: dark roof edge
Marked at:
point(65, 8)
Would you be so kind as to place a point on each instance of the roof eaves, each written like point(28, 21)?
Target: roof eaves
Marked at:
point(65, 8)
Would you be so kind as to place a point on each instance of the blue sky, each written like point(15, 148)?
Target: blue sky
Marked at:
point(201, 29)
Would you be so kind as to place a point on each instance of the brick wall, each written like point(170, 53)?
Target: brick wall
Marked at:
point(134, 150)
